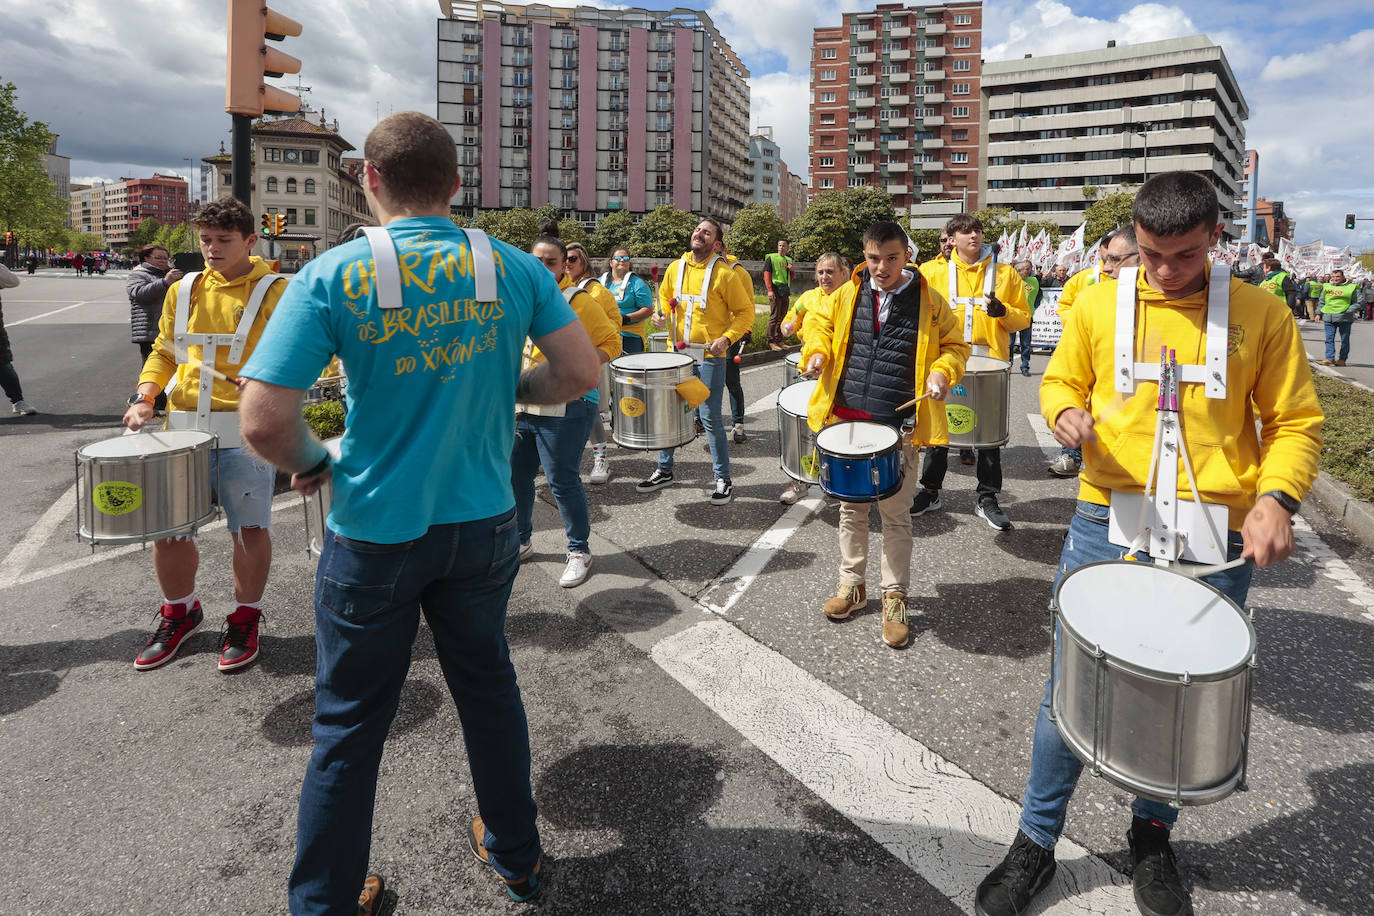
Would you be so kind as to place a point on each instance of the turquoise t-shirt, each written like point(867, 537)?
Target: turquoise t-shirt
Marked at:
point(431, 385)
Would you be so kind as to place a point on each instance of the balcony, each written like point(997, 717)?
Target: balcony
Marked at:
point(898, 189)
point(934, 98)
point(863, 146)
point(899, 55)
point(934, 76)
point(934, 52)
point(932, 142)
point(938, 29)
point(864, 168)
point(867, 80)
point(936, 166)
point(898, 144)
point(898, 167)
point(865, 57)
point(899, 78)
point(899, 122)
point(865, 103)
point(865, 124)
point(933, 121)
point(901, 31)
point(866, 35)
point(932, 189)
point(898, 101)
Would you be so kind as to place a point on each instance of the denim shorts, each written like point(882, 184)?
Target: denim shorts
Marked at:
point(244, 484)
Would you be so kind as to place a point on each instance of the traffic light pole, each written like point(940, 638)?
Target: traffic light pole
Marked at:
point(242, 156)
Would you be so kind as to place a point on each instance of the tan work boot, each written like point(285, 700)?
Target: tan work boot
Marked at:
point(848, 598)
point(895, 632)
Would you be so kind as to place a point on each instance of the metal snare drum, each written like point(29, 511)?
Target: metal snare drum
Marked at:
point(978, 408)
point(860, 461)
point(791, 368)
point(143, 487)
point(1151, 680)
point(648, 411)
point(797, 444)
point(659, 342)
point(317, 505)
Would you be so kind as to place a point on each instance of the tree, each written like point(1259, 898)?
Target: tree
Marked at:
point(836, 220)
point(570, 230)
point(927, 243)
point(1106, 214)
point(755, 232)
point(612, 231)
point(665, 232)
point(144, 233)
point(29, 205)
point(176, 239)
point(84, 243)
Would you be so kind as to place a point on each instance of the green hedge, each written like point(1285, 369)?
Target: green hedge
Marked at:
point(1347, 434)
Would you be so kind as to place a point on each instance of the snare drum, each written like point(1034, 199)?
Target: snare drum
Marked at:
point(1152, 680)
point(659, 342)
point(797, 444)
point(317, 505)
point(978, 407)
point(860, 461)
point(649, 413)
point(791, 368)
point(143, 487)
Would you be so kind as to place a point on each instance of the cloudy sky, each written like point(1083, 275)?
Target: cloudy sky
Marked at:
point(138, 85)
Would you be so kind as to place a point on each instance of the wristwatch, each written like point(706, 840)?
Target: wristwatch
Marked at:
point(1283, 499)
point(138, 396)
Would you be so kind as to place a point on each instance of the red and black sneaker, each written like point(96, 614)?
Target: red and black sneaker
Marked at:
point(239, 639)
point(175, 624)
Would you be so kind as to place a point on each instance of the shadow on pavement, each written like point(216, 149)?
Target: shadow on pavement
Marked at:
point(1315, 669)
point(106, 421)
point(288, 723)
point(1008, 618)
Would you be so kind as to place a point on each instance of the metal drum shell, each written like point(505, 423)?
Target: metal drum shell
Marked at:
point(795, 439)
point(661, 419)
point(659, 342)
point(791, 368)
point(173, 481)
point(986, 390)
point(1174, 737)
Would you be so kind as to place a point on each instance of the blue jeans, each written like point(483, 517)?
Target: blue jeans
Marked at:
point(1332, 327)
point(1054, 768)
point(368, 599)
point(1024, 335)
point(557, 444)
point(712, 372)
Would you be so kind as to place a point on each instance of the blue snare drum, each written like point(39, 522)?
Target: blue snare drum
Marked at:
point(860, 461)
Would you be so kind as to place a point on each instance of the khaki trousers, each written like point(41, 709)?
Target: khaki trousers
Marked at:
point(896, 515)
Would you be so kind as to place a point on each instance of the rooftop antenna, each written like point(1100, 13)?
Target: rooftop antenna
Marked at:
point(301, 90)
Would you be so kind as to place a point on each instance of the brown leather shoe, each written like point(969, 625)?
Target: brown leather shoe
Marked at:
point(1340, 362)
point(848, 599)
point(1326, 362)
point(895, 630)
point(370, 900)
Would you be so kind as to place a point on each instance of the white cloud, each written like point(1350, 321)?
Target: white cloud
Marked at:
point(782, 101)
point(1012, 29)
point(781, 27)
point(1354, 50)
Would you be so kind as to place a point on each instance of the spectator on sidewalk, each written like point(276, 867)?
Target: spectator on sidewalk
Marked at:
point(147, 288)
point(9, 379)
point(777, 282)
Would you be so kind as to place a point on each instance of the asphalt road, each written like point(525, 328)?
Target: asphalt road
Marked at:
point(705, 741)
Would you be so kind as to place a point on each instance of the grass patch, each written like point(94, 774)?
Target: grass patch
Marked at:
point(1347, 434)
point(759, 340)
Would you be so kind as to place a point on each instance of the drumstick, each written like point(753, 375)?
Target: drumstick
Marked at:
point(914, 401)
point(1197, 572)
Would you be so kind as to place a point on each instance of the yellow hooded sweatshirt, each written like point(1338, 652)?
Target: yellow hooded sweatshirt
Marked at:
point(1073, 288)
point(993, 333)
point(729, 311)
point(217, 305)
point(939, 346)
point(1267, 379)
point(592, 311)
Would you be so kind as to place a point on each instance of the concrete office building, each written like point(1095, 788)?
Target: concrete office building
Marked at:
point(592, 110)
point(113, 210)
point(1064, 129)
point(895, 103)
point(765, 169)
point(59, 170)
point(794, 194)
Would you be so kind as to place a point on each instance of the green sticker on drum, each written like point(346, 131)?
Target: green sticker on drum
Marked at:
point(962, 419)
point(810, 464)
point(117, 497)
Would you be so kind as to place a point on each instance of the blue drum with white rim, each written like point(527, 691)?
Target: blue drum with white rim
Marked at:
point(860, 461)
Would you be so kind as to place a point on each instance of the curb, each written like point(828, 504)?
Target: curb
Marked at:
point(1353, 513)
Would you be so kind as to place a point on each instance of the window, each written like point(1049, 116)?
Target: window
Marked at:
point(291, 216)
point(827, 162)
point(958, 157)
point(963, 19)
point(520, 78)
point(962, 66)
point(272, 185)
point(664, 122)
point(310, 156)
point(827, 74)
point(271, 154)
point(959, 89)
point(856, 159)
point(617, 140)
point(517, 140)
point(959, 135)
point(310, 216)
point(469, 75)
point(888, 113)
point(827, 96)
point(469, 116)
point(827, 119)
point(857, 181)
point(310, 186)
point(1098, 131)
point(569, 81)
point(963, 41)
point(828, 53)
point(566, 141)
point(827, 183)
point(959, 111)
point(827, 140)
point(290, 186)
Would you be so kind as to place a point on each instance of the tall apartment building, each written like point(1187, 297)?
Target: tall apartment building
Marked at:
point(592, 110)
point(113, 210)
point(59, 170)
point(794, 194)
point(895, 102)
point(765, 169)
point(1058, 127)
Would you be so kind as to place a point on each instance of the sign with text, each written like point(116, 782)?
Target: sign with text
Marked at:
point(1045, 324)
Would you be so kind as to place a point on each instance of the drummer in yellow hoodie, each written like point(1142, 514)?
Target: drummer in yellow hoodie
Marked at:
point(1254, 450)
point(884, 341)
point(998, 300)
point(704, 299)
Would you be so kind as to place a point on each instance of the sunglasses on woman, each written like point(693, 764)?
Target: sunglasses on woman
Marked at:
point(621, 257)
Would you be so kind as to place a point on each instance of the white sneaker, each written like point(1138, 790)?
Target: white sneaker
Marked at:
point(526, 549)
point(795, 491)
point(24, 408)
point(601, 469)
point(575, 573)
point(1065, 465)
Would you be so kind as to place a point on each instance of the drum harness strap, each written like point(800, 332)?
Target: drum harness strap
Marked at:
point(970, 303)
point(1164, 538)
point(224, 424)
point(692, 302)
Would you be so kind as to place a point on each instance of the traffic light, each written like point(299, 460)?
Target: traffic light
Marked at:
point(1350, 221)
point(133, 212)
point(267, 224)
point(279, 224)
point(251, 24)
point(9, 237)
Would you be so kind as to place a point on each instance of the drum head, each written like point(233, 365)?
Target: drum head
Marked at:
point(794, 359)
point(148, 443)
point(856, 437)
point(641, 361)
point(985, 364)
point(1155, 618)
point(795, 397)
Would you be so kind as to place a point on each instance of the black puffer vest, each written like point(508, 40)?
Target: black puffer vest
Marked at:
point(879, 369)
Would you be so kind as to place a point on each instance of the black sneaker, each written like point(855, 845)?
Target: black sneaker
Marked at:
point(966, 457)
point(925, 501)
point(1008, 888)
point(655, 481)
point(988, 510)
point(1154, 879)
point(724, 491)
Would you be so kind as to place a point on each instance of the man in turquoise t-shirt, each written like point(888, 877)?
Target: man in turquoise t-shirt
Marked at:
point(1341, 302)
point(777, 282)
point(430, 324)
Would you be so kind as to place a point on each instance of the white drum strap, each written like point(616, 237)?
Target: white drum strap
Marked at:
point(210, 343)
point(386, 266)
point(693, 302)
point(1211, 374)
point(969, 303)
point(250, 314)
point(483, 265)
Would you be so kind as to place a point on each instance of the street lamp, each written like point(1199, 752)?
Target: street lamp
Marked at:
point(1143, 128)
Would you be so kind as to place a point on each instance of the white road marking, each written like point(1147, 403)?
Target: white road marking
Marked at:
point(945, 825)
point(65, 308)
point(763, 404)
point(730, 587)
point(18, 559)
point(1043, 437)
point(1325, 559)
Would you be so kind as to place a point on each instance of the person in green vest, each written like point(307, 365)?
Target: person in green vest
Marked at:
point(1341, 302)
point(777, 281)
point(1032, 284)
point(1279, 282)
point(1313, 296)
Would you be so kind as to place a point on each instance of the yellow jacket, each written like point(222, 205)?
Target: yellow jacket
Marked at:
point(829, 334)
point(596, 317)
point(729, 310)
point(1267, 378)
point(1073, 288)
point(217, 305)
point(993, 333)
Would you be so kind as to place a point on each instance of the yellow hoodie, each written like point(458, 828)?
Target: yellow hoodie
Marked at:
point(596, 316)
point(1073, 288)
point(993, 333)
point(729, 311)
point(939, 346)
point(1267, 379)
point(217, 305)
